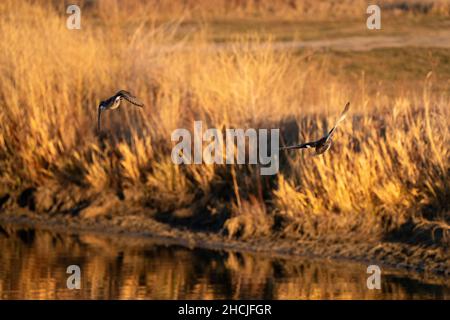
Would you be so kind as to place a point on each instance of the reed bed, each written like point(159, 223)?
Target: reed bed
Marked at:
point(388, 168)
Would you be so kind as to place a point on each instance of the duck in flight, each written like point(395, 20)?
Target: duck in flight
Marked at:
point(114, 103)
point(324, 143)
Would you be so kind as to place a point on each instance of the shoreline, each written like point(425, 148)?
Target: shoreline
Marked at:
point(419, 261)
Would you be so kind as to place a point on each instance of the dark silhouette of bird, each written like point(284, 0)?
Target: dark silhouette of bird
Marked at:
point(114, 103)
point(324, 143)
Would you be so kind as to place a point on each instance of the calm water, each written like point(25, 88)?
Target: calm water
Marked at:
point(33, 265)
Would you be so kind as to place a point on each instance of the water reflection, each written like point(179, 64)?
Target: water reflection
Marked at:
point(33, 266)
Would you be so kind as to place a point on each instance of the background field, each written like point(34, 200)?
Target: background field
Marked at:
point(232, 64)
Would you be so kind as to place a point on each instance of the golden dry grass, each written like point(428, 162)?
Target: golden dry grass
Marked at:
point(388, 167)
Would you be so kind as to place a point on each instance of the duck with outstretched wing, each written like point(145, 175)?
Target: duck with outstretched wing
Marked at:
point(114, 103)
point(324, 143)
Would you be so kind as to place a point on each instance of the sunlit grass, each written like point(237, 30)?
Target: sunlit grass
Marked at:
point(389, 164)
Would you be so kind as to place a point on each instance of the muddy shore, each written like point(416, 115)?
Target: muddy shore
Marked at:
point(426, 262)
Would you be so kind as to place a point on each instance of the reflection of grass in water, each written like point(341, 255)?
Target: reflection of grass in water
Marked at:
point(387, 168)
point(135, 268)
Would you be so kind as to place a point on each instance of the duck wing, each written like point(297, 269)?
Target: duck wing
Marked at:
point(341, 118)
point(130, 98)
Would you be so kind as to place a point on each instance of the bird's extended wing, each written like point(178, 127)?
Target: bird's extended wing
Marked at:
point(342, 117)
point(301, 146)
point(130, 98)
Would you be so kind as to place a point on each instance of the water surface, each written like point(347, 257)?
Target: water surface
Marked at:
point(33, 265)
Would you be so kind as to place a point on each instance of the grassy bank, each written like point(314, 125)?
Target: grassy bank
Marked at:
point(385, 178)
